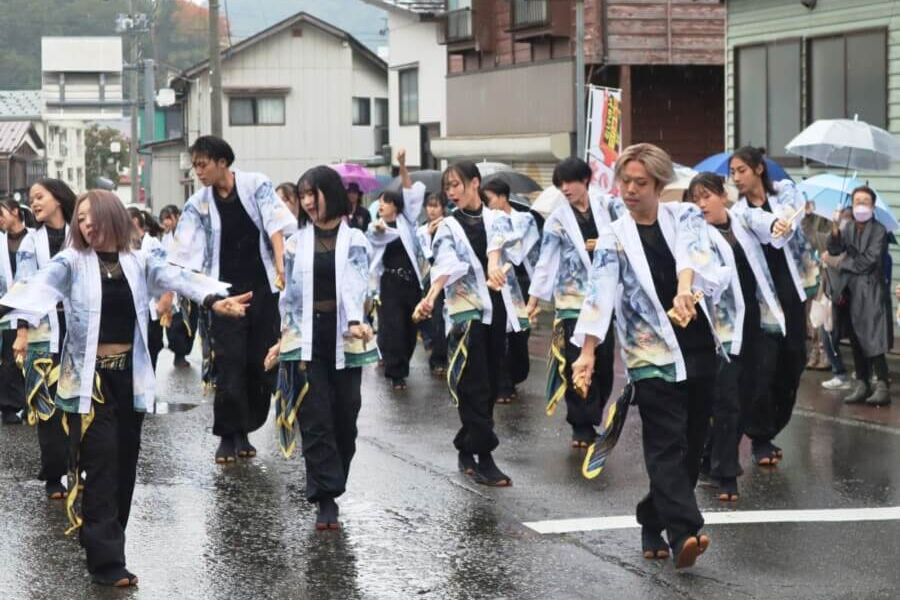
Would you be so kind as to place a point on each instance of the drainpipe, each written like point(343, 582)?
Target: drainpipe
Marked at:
point(580, 116)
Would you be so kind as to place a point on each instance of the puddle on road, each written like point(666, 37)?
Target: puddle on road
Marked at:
point(165, 408)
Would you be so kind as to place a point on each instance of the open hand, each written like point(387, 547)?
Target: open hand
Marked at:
point(233, 306)
point(272, 356)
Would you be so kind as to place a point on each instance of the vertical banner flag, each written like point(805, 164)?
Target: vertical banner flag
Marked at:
point(604, 134)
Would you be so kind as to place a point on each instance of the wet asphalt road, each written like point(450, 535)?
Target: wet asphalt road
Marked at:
point(415, 528)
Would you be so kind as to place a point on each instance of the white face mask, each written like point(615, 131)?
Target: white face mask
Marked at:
point(862, 213)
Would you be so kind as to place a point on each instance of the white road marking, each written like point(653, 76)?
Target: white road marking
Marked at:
point(838, 515)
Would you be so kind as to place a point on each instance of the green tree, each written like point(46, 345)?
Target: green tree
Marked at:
point(99, 160)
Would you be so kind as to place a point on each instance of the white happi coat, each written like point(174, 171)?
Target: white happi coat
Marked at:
point(73, 277)
point(34, 254)
point(198, 236)
point(413, 200)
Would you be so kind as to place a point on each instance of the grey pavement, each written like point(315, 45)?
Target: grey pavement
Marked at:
point(415, 528)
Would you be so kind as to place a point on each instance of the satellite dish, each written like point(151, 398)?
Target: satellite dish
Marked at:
point(165, 97)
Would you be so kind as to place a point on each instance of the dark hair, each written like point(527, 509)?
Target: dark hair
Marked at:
point(707, 180)
point(213, 148)
point(326, 180)
point(109, 220)
point(146, 220)
point(170, 210)
point(865, 190)
point(62, 193)
point(393, 197)
point(571, 169)
point(288, 189)
point(21, 212)
point(466, 171)
point(354, 187)
point(436, 198)
point(496, 186)
point(754, 157)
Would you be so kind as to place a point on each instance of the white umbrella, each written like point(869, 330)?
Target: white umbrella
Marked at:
point(489, 168)
point(547, 201)
point(851, 144)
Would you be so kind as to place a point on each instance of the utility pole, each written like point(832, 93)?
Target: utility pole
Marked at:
point(133, 96)
point(215, 71)
point(579, 78)
point(149, 125)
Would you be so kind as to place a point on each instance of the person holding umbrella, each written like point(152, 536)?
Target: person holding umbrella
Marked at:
point(855, 251)
point(656, 269)
point(561, 275)
point(795, 273)
point(400, 268)
point(359, 217)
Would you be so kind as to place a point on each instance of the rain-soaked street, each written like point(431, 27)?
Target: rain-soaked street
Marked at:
point(415, 528)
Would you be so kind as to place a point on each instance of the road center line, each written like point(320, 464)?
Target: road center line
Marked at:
point(837, 515)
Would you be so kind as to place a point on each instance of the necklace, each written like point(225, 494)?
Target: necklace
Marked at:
point(106, 269)
point(472, 216)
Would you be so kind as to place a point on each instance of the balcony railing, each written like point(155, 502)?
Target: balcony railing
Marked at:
point(529, 13)
point(459, 25)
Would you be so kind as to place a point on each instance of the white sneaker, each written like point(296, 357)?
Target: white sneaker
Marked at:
point(836, 383)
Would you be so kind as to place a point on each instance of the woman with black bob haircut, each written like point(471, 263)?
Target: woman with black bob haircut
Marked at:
point(481, 301)
point(106, 383)
point(38, 346)
point(324, 340)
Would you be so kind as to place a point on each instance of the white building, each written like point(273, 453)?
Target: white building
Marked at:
point(417, 77)
point(295, 95)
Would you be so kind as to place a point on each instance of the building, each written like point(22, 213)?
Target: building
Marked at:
point(417, 71)
point(21, 163)
point(82, 78)
point(791, 63)
point(511, 76)
point(295, 95)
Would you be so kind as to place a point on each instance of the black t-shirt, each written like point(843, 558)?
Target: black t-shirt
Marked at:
point(324, 285)
point(395, 256)
point(13, 241)
point(776, 259)
point(473, 224)
point(240, 261)
point(587, 226)
point(696, 341)
point(117, 315)
point(55, 238)
point(747, 279)
point(360, 218)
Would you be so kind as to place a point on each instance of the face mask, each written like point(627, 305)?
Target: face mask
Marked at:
point(862, 213)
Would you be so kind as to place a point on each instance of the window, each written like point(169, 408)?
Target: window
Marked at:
point(409, 96)
point(848, 76)
point(459, 20)
point(382, 134)
point(768, 95)
point(255, 111)
point(362, 111)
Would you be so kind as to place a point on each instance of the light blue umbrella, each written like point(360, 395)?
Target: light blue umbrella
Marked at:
point(829, 192)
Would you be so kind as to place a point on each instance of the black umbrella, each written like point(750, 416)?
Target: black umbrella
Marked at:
point(430, 177)
point(521, 204)
point(518, 183)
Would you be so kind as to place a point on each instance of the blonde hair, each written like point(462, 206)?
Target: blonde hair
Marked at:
point(656, 160)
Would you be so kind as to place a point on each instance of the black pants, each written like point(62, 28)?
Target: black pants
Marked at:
point(154, 340)
point(207, 371)
point(396, 330)
point(585, 414)
point(438, 356)
point(477, 387)
point(180, 334)
point(863, 365)
point(12, 383)
point(243, 388)
point(674, 420)
point(516, 362)
point(778, 362)
point(725, 432)
point(108, 456)
point(327, 415)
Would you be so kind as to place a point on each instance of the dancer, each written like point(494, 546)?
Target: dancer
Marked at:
point(561, 275)
point(233, 230)
point(468, 251)
point(15, 224)
point(38, 346)
point(435, 211)
point(791, 261)
point(400, 268)
point(287, 191)
point(144, 241)
point(652, 260)
point(184, 323)
point(747, 310)
point(517, 361)
point(324, 340)
point(106, 383)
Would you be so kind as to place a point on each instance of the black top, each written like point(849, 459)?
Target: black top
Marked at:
point(13, 241)
point(117, 316)
point(776, 259)
point(473, 224)
point(240, 262)
point(56, 239)
point(324, 287)
point(746, 277)
point(696, 340)
point(360, 218)
point(587, 226)
point(395, 256)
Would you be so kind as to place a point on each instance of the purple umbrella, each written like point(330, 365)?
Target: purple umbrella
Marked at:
point(361, 176)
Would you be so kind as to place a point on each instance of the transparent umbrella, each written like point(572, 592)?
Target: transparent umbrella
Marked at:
point(851, 144)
